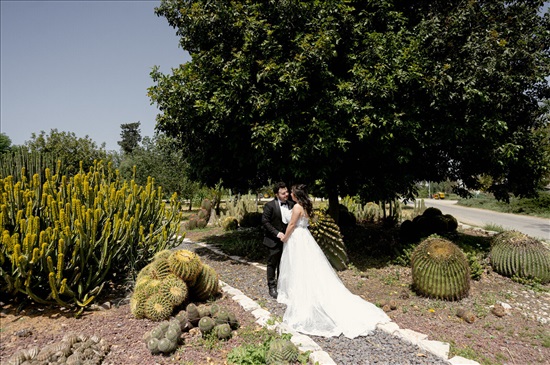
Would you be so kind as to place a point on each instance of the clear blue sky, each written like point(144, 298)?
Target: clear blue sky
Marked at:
point(81, 66)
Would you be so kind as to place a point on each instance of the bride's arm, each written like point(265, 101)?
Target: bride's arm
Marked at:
point(296, 213)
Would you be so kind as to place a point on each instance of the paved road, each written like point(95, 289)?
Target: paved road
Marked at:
point(532, 226)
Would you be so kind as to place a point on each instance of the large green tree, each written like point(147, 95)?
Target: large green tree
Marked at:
point(363, 96)
point(5, 143)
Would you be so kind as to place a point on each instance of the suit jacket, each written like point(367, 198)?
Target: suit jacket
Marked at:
point(272, 222)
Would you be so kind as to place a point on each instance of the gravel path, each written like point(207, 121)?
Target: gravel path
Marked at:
point(378, 348)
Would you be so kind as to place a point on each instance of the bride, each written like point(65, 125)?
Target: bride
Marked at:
point(317, 301)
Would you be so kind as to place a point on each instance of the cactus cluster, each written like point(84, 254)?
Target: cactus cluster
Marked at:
point(230, 223)
point(212, 319)
point(61, 237)
point(171, 279)
point(72, 349)
point(200, 220)
point(281, 351)
point(164, 338)
point(327, 234)
point(440, 269)
point(432, 221)
point(515, 254)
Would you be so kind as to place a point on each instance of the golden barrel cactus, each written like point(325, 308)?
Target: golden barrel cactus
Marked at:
point(440, 269)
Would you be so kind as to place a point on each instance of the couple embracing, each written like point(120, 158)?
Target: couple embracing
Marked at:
point(300, 276)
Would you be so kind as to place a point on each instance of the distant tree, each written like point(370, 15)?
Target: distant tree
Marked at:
point(157, 157)
point(363, 97)
point(5, 143)
point(68, 148)
point(130, 137)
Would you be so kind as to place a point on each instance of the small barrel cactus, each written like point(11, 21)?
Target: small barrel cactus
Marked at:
point(206, 324)
point(281, 351)
point(516, 254)
point(174, 289)
point(440, 269)
point(223, 331)
point(158, 308)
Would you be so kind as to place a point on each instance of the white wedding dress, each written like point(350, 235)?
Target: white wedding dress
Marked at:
point(317, 301)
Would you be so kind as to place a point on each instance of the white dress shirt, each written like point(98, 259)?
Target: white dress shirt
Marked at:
point(285, 212)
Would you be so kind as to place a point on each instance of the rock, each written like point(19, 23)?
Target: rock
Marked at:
point(468, 316)
point(498, 310)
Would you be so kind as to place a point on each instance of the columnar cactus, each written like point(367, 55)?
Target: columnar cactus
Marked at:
point(62, 236)
point(440, 269)
point(516, 254)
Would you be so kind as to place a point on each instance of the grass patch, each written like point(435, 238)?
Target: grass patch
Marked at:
point(494, 227)
point(539, 206)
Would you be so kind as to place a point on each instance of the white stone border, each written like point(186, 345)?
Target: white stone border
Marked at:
point(305, 343)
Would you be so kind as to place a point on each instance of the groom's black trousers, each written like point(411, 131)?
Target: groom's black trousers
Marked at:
point(273, 262)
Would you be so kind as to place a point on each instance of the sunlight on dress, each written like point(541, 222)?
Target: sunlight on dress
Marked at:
point(317, 301)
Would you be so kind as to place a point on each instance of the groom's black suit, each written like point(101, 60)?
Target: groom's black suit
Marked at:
point(272, 223)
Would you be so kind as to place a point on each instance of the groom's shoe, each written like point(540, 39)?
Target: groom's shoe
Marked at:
point(273, 292)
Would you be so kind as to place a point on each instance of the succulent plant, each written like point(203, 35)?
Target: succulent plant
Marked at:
point(174, 289)
point(233, 321)
point(181, 317)
point(206, 284)
point(222, 316)
point(193, 315)
point(201, 223)
point(440, 269)
point(158, 308)
point(166, 346)
point(137, 304)
point(452, 223)
point(160, 268)
point(432, 212)
point(281, 351)
point(515, 254)
point(206, 324)
point(153, 345)
point(204, 310)
point(230, 224)
point(185, 264)
point(214, 308)
point(327, 234)
point(223, 331)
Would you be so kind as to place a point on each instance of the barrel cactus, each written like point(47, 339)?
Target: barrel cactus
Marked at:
point(206, 284)
point(327, 234)
point(185, 264)
point(174, 289)
point(440, 269)
point(206, 324)
point(157, 307)
point(515, 254)
point(281, 351)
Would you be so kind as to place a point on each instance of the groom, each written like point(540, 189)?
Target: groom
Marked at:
point(274, 221)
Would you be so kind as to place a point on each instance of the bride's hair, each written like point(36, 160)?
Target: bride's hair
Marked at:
point(300, 193)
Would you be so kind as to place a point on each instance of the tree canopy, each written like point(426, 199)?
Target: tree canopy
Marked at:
point(130, 135)
point(68, 148)
point(365, 97)
point(5, 143)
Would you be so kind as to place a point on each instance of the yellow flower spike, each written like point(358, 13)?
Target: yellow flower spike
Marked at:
point(141, 230)
point(16, 253)
point(64, 289)
point(35, 255)
point(22, 225)
point(28, 280)
point(48, 173)
point(61, 245)
point(50, 265)
point(43, 249)
point(60, 265)
point(53, 287)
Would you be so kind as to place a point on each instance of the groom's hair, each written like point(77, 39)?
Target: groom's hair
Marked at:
point(277, 186)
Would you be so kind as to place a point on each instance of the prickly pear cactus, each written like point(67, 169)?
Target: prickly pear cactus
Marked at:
point(516, 254)
point(327, 234)
point(440, 269)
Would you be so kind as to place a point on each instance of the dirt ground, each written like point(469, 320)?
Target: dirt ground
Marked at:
point(521, 336)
